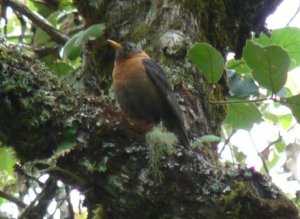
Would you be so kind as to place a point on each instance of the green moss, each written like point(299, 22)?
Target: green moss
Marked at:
point(140, 30)
point(237, 202)
point(29, 98)
point(98, 213)
point(194, 6)
point(160, 143)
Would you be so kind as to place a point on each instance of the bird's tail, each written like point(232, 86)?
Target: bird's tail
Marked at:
point(183, 137)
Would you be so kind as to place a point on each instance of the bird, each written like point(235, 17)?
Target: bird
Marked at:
point(144, 91)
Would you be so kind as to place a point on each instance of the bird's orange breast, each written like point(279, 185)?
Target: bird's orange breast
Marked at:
point(134, 91)
point(128, 70)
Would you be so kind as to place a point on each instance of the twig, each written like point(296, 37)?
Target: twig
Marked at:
point(240, 101)
point(17, 36)
point(23, 26)
point(68, 175)
point(19, 170)
point(55, 34)
point(226, 142)
point(12, 199)
point(45, 51)
point(279, 139)
point(70, 206)
point(76, 29)
point(293, 17)
point(3, 14)
point(38, 207)
point(265, 166)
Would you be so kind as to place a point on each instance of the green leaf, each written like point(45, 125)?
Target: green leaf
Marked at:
point(102, 167)
point(239, 66)
point(270, 65)
point(294, 104)
point(284, 92)
point(41, 37)
point(39, 7)
point(208, 60)
point(70, 134)
point(239, 156)
point(65, 4)
point(65, 146)
point(288, 38)
point(206, 138)
point(274, 161)
point(61, 68)
point(241, 86)
point(270, 116)
point(280, 146)
point(73, 47)
point(93, 32)
point(285, 121)
point(242, 115)
point(7, 160)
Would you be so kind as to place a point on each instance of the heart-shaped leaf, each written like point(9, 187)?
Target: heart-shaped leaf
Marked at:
point(239, 66)
point(73, 47)
point(293, 103)
point(269, 65)
point(288, 38)
point(242, 115)
point(208, 60)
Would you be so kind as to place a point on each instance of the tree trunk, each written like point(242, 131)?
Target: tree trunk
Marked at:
point(96, 149)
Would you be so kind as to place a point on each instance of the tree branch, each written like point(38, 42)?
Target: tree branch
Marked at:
point(42, 117)
point(55, 34)
point(13, 199)
point(38, 206)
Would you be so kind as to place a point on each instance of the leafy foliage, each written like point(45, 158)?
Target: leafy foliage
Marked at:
point(269, 65)
point(74, 46)
point(294, 104)
point(63, 17)
point(208, 60)
point(242, 115)
point(259, 92)
point(238, 66)
point(288, 39)
point(259, 76)
point(7, 162)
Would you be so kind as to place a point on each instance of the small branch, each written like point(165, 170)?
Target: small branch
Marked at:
point(279, 139)
point(265, 166)
point(226, 142)
point(55, 34)
point(293, 17)
point(67, 174)
point(240, 101)
point(23, 26)
point(76, 29)
point(17, 36)
point(3, 14)
point(43, 52)
point(19, 170)
point(12, 199)
point(70, 206)
point(38, 207)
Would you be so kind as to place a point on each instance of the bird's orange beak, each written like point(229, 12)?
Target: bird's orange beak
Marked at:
point(115, 45)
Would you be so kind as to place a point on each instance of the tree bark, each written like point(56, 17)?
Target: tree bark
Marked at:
point(95, 148)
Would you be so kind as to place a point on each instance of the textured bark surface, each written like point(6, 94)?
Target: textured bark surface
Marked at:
point(107, 155)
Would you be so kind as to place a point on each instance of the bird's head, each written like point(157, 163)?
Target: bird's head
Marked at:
point(124, 49)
